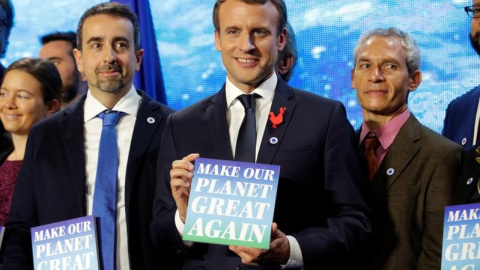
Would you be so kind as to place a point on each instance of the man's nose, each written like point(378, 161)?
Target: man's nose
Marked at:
point(247, 43)
point(376, 75)
point(109, 56)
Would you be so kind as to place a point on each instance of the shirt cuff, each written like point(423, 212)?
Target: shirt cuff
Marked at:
point(181, 228)
point(296, 258)
point(178, 223)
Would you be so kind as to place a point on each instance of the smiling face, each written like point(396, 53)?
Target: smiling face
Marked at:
point(381, 77)
point(108, 57)
point(249, 42)
point(21, 102)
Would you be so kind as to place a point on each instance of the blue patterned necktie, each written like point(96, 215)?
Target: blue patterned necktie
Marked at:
point(105, 194)
point(247, 135)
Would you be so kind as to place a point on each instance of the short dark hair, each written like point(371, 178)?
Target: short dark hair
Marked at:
point(111, 9)
point(10, 15)
point(69, 37)
point(289, 49)
point(279, 4)
point(45, 72)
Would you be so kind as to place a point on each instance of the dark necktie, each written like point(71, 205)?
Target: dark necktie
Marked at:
point(371, 144)
point(245, 148)
point(105, 194)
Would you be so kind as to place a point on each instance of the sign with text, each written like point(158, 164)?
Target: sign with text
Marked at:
point(461, 237)
point(231, 203)
point(69, 244)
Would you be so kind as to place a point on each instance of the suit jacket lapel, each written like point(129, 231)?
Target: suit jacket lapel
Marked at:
point(470, 113)
point(216, 119)
point(401, 152)
point(283, 97)
point(147, 122)
point(72, 132)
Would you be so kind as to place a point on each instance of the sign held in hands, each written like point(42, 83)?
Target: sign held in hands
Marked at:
point(231, 203)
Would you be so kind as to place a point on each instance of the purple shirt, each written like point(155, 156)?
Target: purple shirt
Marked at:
point(386, 133)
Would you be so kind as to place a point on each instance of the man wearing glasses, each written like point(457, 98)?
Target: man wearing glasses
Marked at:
point(461, 123)
point(463, 115)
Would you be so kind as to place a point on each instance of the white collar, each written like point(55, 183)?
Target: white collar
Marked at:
point(127, 104)
point(265, 90)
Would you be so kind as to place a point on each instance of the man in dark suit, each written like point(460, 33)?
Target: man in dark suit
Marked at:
point(57, 180)
point(461, 123)
point(321, 216)
point(411, 167)
point(467, 186)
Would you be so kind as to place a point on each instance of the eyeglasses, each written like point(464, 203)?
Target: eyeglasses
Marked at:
point(473, 11)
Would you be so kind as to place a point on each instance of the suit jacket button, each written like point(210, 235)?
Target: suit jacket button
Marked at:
point(239, 267)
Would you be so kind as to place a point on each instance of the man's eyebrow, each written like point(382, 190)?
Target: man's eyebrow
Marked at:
point(363, 58)
point(94, 39)
point(121, 38)
point(54, 58)
point(231, 27)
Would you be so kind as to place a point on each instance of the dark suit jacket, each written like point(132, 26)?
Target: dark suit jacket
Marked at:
point(51, 183)
point(6, 145)
point(411, 189)
point(320, 200)
point(466, 188)
point(460, 116)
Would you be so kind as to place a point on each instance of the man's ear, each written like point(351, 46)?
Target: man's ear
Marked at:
point(285, 64)
point(78, 59)
point(352, 77)
point(217, 41)
point(52, 107)
point(282, 39)
point(139, 56)
point(414, 80)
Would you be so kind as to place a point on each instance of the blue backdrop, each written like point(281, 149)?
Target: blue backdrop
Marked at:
point(150, 77)
point(326, 31)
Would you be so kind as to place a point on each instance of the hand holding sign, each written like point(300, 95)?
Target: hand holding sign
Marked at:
point(278, 252)
point(180, 182)
point(230, 202)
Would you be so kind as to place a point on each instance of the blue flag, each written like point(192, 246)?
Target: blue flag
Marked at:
point(149, 78)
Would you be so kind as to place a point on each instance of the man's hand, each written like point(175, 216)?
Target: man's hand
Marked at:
point(180, 181)
point(279, 251)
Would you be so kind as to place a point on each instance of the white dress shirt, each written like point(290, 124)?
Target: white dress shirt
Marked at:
point(93, 129)
point(235, 115)
point(236, 111)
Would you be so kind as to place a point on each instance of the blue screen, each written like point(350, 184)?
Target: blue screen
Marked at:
point(326, 32)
